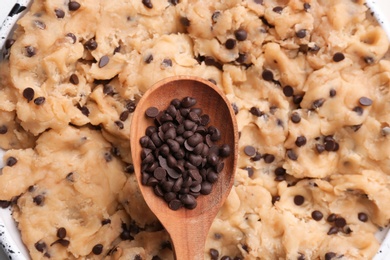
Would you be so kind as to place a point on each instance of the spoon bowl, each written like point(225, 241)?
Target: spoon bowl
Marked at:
point(188, 228)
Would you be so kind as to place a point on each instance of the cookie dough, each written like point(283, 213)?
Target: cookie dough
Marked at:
point(309, 81)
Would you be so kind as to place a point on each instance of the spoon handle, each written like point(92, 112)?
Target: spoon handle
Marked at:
point(189, 239)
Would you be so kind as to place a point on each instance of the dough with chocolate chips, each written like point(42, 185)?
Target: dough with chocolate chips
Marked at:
point(309, 82)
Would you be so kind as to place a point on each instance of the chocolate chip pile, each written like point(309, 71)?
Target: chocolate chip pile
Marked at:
point(309, 85)
point(180, 157)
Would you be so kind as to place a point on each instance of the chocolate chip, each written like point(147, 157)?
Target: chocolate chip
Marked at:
point(369, 60)
point(188, 102)
point(332, 92)
point(267, 75)
point(363, 217)
point(215, 16)
point(347, 230)
point(250, 171)
point(97, 249)
point(59, 13)
point(28, 93)
point(292, 155)
point(103, 61)
point(300, 141)
point(318, 103)
point(129, 168)
point(147, 3)
point(249, 150)
point(3, 129)
point(39, 200)
point(159, 173)
point(175, 204)
point(166, 63)
point(174, 2)
point(340, 222)
point(31, 188)
point(358, 110)
point(333, 230)
point(40, 25)
point(74, 79)
point(119, 124)
point(39, 101)
point(230, 44)
point(336, 147)
point(385, 131)
point(148, 59)
point(338, 56)
point(355, 128)
point(204, 119)
point(212, 159)
point(256, 157)
point(331, 218)
point(299, 200)
point(109, 90)
point(297, 99)
point(107, 157)
point(224, 150)
point(365, 101)
point(317, 215)
point(295, 118)
point(288, 91)
point(30, 51)
point(256, 111)
point(62, 242)
point(268, 158)
point(84, 110)
point(115, 151)
point(330, 145)
point(188, 200)
point(69, 177)
point(278, 9)
point(73, 6)
point(9, 43)
point(11, 161)
point(124, 115)
point(240, 34)
point(206, 188)
point(125, 234)
point(301, 33)
point(169, 196)
point(61, 232)
point(280, 171)
point(330, 255)
point(40, 246)
point(91, 44)
point(106, 221)
point(306, 6)
point(210, 61)
point(72, 36)
point(320, 148)
point(152, 112)
point(214, 254)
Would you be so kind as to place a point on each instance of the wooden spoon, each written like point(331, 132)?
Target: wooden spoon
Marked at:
point(188, 229)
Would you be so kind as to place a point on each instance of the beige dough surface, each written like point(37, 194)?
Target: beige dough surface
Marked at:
point(309, 81)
